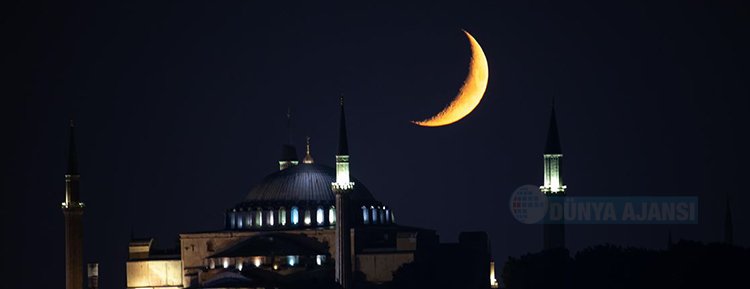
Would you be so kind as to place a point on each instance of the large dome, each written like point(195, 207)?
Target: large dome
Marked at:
point(303, 184)
point(301, 196)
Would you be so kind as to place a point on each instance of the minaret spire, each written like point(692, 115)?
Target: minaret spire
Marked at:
point(72, 209)
point(553, 159)
point(342, 188)
point(289, 125)
point(288, 151)
point(72, 156)
point(343, 142)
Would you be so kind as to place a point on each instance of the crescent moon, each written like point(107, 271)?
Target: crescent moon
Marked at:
point(470, 94)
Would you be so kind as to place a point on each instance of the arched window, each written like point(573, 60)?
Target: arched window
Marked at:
point(381, 212)
point(320, 216)
point(308, 220)
point(374, 213)
point(365, 215)
point(332, 215)
point(258, 217)
point(295, 216)
point(282, 216)
point(270, 217)
point(240, 220)
point(248, 219)
point(232, 220)
point(387, 215)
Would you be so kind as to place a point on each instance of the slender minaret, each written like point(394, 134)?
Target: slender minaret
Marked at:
point(553, 184)
point(554, 234)
point(728, 228)
point(73, 210)
point(342, 188)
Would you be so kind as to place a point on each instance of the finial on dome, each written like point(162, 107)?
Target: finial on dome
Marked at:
point(308, 158)
point(289, 125)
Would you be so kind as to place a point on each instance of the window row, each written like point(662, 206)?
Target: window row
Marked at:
point(295, 216)
point(275, 263)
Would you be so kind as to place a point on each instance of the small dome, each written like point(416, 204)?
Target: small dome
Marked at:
point(303, 184)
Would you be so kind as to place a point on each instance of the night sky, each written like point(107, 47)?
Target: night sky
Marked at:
point(181, 108)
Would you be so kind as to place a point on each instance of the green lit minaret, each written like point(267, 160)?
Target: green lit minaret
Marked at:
point(343, 188)
point(72, 208)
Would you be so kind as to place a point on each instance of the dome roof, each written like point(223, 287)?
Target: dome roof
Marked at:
point(303, 184)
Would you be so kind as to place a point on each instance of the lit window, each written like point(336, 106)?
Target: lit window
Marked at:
point(292, 260)
point(374, 213)
point(320, 259)
point(320, 216)
point(332, 215)
point(225, 263)
point(239, 266)
point(258, 217)
point(382, 216)
point(307, 217)
point(240, 221)
point(282, 216)
point(270, 218)
point(257, 261)
point(232, 221)
point(387, 215)
point(248, 220)
point(295, 216)
point(365, 215)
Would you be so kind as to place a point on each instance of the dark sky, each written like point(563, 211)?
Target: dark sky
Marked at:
point(180, 108)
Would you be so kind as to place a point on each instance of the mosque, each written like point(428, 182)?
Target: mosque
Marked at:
point(307, 226)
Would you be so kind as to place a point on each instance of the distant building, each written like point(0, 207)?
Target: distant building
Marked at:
point(290, 231)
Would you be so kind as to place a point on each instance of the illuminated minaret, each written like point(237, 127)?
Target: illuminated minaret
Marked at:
point(553, 184)
point(73, 210)
point(554, 234)
point(342, 188)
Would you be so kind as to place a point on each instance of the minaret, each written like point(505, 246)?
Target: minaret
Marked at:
point(728, 228)
point(288, 151)
point(553, 184)
point(554, 234)
point(342, 188)
point(73, 210)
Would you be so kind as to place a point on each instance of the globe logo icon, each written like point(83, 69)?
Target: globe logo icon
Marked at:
point(528, 204)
